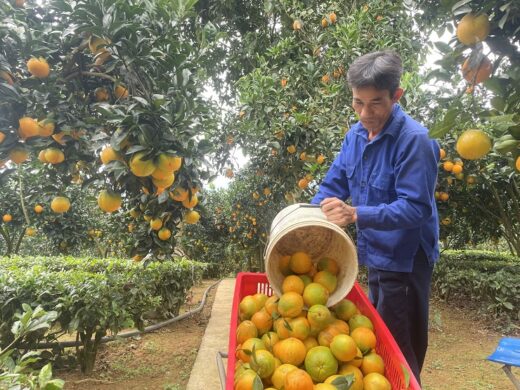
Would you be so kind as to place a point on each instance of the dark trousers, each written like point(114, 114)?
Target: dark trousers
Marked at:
point(402, 300)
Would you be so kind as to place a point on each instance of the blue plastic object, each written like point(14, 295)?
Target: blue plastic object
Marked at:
point(507, 352)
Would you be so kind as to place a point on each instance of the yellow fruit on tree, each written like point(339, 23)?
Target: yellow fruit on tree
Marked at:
point(102, 57)
point(303, 183)
point(473, 28)
point(30, 231)
point(191, 217)
point(41, 156)
point(38, 67)
point(7, 218)
point(190, 203)
point(297, 25)
point(109, 201)
point(164, 234)
point(97, 44)
point(179, 194)
point(38, 209)
point(141, 167)
point(473, 144)
point(166, 182)
point(291, 149)
point(102, 94)
point(60, 204)
point(517, 164)
point(333, 18)
point(46, 128)
point(54, 156)
point(120, 92)
point(18, 154)
point(477, 73)
point(156, 224)
point(109, 154)
point(2, 137)
point(28, 127)
point(320, 159)
point(168, 163)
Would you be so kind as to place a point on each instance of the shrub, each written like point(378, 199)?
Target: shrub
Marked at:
point(92, 296)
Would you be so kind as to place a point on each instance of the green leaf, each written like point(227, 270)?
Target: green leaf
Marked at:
point(45, 374)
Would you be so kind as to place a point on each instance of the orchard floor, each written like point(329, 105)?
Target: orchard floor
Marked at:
point(459, 344)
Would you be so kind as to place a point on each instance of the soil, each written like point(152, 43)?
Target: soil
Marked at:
point(456, 358)
point(157, 360)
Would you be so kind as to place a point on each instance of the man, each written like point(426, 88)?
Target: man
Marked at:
point(388, 167)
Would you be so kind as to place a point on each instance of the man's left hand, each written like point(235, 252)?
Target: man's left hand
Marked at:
point(338, 212)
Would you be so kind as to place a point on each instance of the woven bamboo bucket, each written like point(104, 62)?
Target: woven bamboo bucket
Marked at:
point(304, 227)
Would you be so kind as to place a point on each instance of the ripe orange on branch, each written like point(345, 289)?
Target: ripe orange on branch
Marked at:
point(38, 67)
point(60, 204)
point(109, 201)
point(473, 28)
point(473, 144)
point(477, 73)
point(28, 127)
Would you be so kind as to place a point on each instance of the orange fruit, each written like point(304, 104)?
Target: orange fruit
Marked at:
point(156, 223)
point(315, 294)
point(141, 167)
point(167, 162)
point(46, 128)
point(2, 137)
point(328, 264)
point(165, 182)
point(360, 320)
point(345, 309)
point(448, 166)
point(442, 153)
point(280, 373)
point(517, 164)
point(297, 25)
point(300, 263)
point(356, 362)
point(38, 67)
point(271, 305)
point(60, 204)
point(303, 183)
point(365, 339)
point(30, 231)
point(282, 327)
point(291, 351)
point(293, 283)
point(290, 305)
point(456, 169)
point(6, 76)
point(477, 73)
point(320, 363)
point(343, 347)
point(164, 234)
point(120, 92)
point(300, 328)
point(326, 336)
point(247, 307)
point(376, 381)
point(372, 362)
point(179, 194)
point(7, 218)
point(190, 203)
point(263, 321)
point(291, 149)
point(473, 144)
point(443, 196)
point(348, 369)
point(263, 363)
point(284, 265)
point(97, 44)
point(18, 154)
point(306, 279)
point(327, 280)
point(333, 18)
point(38, 209)
point(247, 380)
point(109, 201)
point(108, 154)
point(298, 380)
point(320, 159)
point(260, 300)
point(102, 94)
point(269, 339)
point(310, 342)
point(54, 156)
point(28, 127)
point(191, 217)
point(102, 57)
point(472, 28)
point(319, 316)
point(244, 351)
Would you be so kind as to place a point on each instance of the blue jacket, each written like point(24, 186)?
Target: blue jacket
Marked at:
point(391, 181)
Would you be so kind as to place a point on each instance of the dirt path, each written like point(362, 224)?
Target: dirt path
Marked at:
point(459, 344)
point(158, 360)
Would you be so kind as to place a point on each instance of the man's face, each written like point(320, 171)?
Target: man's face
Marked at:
point(374, 106)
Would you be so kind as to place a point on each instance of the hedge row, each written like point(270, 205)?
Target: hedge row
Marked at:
point(92, 296)
point(488, 280)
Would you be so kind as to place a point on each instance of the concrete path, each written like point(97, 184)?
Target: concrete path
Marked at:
point(204, 375)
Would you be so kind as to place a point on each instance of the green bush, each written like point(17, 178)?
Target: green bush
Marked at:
point(92, 296)
point(488, 280)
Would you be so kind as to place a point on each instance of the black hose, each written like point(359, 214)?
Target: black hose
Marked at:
point(151, 328)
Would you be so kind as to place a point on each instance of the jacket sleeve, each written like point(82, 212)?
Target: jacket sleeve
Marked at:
point(415, 177)
point(335, 183)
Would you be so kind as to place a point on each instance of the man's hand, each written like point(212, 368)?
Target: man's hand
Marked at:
point(338, 212)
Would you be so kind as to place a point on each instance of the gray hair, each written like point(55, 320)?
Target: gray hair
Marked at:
point(380, 69)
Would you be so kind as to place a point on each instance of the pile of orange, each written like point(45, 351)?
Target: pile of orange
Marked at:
point(296, 342)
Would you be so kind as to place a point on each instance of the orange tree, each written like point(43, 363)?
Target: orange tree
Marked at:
point(480, 65)
point(295, 105)
point(107, 95)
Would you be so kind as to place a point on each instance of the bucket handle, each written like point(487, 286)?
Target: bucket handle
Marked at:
point(301, 205)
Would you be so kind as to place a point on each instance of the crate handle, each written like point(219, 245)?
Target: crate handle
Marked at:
point(220, 367)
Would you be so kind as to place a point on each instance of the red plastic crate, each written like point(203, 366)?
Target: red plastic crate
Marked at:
point(251, 283)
